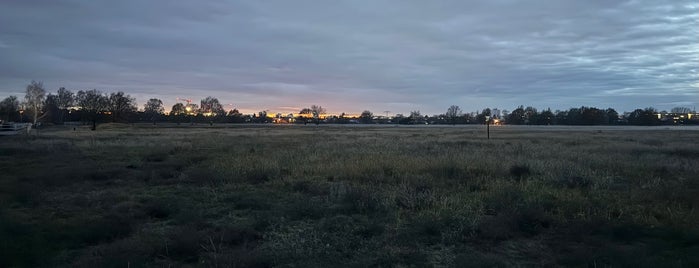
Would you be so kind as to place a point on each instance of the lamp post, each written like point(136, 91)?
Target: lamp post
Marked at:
point(487, 125)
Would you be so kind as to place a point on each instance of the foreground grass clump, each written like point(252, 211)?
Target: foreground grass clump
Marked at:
point(353, 196)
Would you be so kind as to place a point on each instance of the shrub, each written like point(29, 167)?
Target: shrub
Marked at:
point(519, 171)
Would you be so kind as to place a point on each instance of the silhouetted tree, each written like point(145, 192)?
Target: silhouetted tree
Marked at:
point(680, 110)
point(34, 98)
point(366, 117)
point(531, 115)
point(574, 116)
point(646, 117)
point(592, 116)
point(153, 109)
point(212, 106)
point(64, 100)
point(92, 104)
point(612, 116)
point(9, 108)
point(50, 108)
point(178, 109)
point(481, 116)
point(306, 111)
point(121, 105)
point(317, 110)
point(235, 116)
point(546, 117)
point(262, 117)
point(516, 117)
point(453, 113)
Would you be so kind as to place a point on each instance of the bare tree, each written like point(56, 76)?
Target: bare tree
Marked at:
point(366, 117)
point(453, 113)
point(317, 110)
point(680, 110)
point(306, 111)
point(35, 98)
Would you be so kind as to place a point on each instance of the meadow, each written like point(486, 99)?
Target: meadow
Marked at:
point(338, 196)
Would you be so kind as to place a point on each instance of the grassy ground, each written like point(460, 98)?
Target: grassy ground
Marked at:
point(307, 196)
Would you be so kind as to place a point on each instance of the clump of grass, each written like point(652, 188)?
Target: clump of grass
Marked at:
point(310, 187)
point(527, 221)
point(575, 182)
point(414, 196)
point(520, 171)
point(203, 176)
point(156, 156)
point(184, 243)
point(161, 208)
point(357, 199)
point(477, 259)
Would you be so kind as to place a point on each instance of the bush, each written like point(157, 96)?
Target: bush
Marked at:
point(520, 171)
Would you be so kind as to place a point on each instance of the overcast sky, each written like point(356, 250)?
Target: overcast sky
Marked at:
point(349, 56)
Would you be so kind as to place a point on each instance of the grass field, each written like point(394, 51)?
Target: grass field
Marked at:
point(329, 196)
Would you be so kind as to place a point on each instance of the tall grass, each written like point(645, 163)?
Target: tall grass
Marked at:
point(370, 196)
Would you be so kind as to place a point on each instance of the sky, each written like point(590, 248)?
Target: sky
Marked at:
point(355, 55)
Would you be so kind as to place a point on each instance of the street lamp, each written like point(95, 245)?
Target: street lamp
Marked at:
point(487, 125)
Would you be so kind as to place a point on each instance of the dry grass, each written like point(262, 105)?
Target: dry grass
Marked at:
point(358, 196)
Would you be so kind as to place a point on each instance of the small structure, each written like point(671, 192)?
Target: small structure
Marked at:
point(10, 128)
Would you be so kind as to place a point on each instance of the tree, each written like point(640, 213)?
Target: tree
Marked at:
point(64, 100)
point(235, 116)
point(546, 117)
point(50, 107)
point(261, 117)
point(453, 112)
point(234, 112)
point(681, 110)
point(306, 111)
point(120, 105)
point(178, 109)
point(35, 98)
point(531, 115)
point(153, 108)
point(317, 110)
point(593, 116)
point(646, 117)
point(517, 116)
point(366, 117)
point(92, 104)
point(211, 106)
point(481, 116)
point(8, 108)
point(612, 116)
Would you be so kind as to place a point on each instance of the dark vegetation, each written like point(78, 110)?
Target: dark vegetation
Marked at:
point(94, 106)
point(340, 196)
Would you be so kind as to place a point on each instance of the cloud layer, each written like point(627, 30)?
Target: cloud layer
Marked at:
point(355, 55)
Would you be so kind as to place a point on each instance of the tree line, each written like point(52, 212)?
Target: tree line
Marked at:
point(94, 106)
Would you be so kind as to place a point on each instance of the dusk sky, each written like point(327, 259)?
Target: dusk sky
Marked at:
point(349, 56)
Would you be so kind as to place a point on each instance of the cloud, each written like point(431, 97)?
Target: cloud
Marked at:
point(354, 55)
